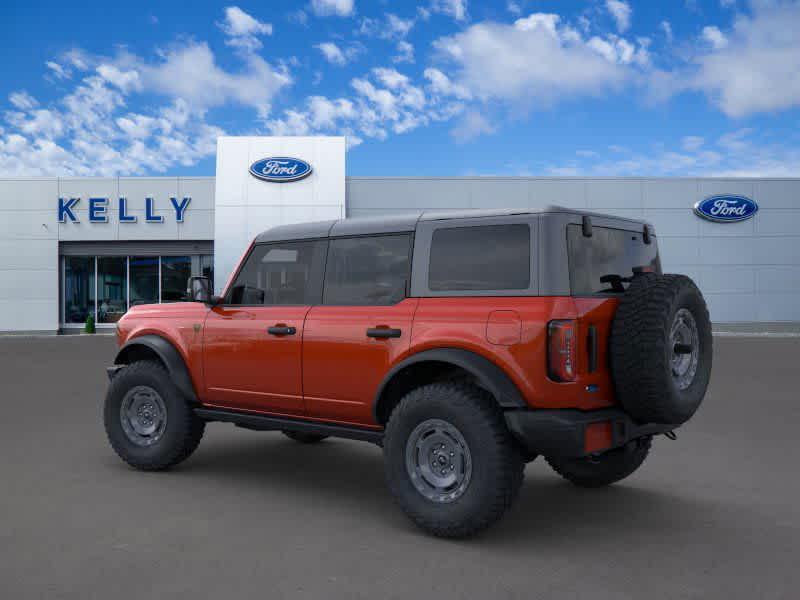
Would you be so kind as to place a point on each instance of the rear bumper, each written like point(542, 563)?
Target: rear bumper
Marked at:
point(571, 433)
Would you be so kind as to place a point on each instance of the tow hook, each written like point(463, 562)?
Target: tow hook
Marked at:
point(670, 435)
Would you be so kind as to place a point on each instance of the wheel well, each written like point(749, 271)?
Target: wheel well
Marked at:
point(413, 376)
point(137, 352)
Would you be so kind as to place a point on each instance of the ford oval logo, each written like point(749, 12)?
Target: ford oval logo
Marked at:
point(726, 209)
point(280, 169)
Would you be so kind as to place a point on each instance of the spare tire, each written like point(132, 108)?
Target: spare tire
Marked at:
point(661, 349)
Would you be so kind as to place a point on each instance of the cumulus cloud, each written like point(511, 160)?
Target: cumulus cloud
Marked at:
point(621, 11)
point(405, 52)
point(243, 29)
point(336, 55)
point(453, 8)
point(536, 60)
point(757, 67)
point(738, 153)
point(471, 125)
point(339, 8)
point(715, 37)
point(91, 131)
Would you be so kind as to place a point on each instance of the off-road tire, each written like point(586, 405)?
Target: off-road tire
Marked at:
point(497, 464)
point(304, 437)
point(608, 468)
point(183, 429)
point(641, 352)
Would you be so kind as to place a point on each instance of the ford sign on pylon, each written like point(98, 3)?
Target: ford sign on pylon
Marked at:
point(726, 209)
point(280, 169)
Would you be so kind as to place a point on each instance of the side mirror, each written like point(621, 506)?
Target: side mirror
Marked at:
point(199, 290)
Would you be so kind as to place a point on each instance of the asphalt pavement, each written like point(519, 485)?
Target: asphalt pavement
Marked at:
point(714, 514)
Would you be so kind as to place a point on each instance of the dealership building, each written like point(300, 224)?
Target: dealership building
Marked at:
point(71, 247)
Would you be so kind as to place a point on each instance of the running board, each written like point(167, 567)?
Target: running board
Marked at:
point(266, 423)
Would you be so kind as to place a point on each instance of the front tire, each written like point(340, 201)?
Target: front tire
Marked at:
point(605, 469)
point(451, 463)
point(147, 420)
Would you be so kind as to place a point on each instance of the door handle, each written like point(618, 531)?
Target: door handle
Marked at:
point(281, 330)
point(383, 332)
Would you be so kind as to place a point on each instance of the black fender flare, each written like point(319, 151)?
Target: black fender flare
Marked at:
point(488, 375)
point(169, 355)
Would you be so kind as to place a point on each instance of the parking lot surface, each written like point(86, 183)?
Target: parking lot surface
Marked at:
point(713, 515)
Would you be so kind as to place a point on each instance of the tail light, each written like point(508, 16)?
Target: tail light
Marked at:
point(561, 350)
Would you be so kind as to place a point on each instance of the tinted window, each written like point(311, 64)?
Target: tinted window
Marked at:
point(282, 273)
point(367, 270)
point(610, 255)
point(487, 257)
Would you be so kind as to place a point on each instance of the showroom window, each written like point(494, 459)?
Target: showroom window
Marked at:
point(107, 286)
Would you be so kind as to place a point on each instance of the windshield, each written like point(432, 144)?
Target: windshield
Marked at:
point(605, 262)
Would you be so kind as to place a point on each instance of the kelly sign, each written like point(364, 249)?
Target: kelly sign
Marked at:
point(99, 208)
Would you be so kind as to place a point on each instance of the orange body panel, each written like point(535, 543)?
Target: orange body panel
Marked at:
point(180, 323)
point(342, 367)
point(245, 366)
point(330, 369)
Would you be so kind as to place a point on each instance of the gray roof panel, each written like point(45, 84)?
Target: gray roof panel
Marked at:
point(299, 231)
point(395, 223)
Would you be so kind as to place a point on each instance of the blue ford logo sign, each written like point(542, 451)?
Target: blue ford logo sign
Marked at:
point(280, 169)
point(726, 209)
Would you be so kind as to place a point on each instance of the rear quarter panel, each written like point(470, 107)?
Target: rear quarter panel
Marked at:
point(462, 323)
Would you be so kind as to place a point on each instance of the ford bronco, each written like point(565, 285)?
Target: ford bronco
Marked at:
point(464, 344)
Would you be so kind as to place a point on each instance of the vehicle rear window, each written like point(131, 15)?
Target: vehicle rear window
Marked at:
point(368, 270)
point(485, 257)
point(603, 263)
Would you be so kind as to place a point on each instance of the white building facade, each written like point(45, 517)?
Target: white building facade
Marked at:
point(71, 248)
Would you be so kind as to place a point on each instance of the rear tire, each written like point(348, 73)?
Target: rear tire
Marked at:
point(451, 463)
point(304, 437)
point(610, 467)
point(148, 422)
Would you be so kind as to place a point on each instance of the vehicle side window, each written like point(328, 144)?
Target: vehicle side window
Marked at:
point(483, 257)
point(370, 270)
point(280, 273)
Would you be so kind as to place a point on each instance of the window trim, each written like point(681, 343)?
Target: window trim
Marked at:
point(407, 288)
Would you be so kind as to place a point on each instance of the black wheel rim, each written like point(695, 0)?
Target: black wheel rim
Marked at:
point(438, 461)
point(143, 415)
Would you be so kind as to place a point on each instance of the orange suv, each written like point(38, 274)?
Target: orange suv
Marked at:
point(464, 344)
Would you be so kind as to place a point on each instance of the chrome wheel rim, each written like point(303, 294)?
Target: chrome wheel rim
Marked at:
point(438, 461)
point(685, 348)
point(143, 415)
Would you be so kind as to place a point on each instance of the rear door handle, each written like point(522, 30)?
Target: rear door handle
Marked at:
point(383, 332)
point(281, 330)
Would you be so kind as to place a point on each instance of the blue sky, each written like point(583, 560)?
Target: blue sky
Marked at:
point(437, 87)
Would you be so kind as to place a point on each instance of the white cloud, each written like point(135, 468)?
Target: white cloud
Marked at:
point(537, 60)
point(621, 11)
point(59, 71)
point(243, 29)
point(22, 100)
point(758, 70)
point(336, 55)
point(715, 37)
point(514, 8)
point(339, 8)
point(666, 27)
point(692, 143)
point(735, 154)
point(441, 84)
point(471, 125)
point(405, 52)
point(453, 8)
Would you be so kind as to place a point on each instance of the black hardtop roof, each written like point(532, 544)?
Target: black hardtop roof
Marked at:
point(402, 222)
